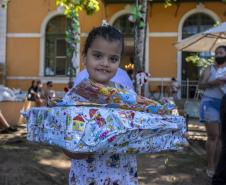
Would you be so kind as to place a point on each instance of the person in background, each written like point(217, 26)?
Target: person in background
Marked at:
point(40, 96)
point(6, 127)
point(32, 91)
point(70, 84)
point(175, 86)
point(30, 101)
point(219, 177)
point(210, 108)
point(121, 75)
point(49, 93)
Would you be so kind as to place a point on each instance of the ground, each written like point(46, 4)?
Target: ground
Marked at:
point(24, 163)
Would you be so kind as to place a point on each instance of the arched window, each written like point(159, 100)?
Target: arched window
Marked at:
point(194, 24)
point(122, 23)
point(56, 61)
point(127, 28)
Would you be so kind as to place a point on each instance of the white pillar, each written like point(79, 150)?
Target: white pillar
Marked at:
point(3, 25)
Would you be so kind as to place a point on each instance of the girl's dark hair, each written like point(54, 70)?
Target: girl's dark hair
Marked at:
point(221, 46)
point(107, 32)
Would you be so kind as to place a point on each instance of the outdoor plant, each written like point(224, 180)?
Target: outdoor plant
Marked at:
point(198, 61)
point(71, 10)
point(136, 16)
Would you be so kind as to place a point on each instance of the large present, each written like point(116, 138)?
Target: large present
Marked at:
point(82, 129)
point(98, 119)
point(94, 93)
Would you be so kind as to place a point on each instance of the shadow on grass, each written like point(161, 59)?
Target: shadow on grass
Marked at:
point(25, 163)
point(172, 168)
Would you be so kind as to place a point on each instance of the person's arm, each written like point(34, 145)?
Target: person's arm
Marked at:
point(81, 76)
point(32, 91)
point(205, 84)
point(77, 80)
point(127, 81)
point(46, 94)
point(3, 121)
point(178, 85)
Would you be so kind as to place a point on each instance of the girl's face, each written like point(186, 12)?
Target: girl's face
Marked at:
point(103, 59)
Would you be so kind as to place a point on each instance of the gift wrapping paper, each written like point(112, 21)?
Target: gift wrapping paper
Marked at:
point(82, 129)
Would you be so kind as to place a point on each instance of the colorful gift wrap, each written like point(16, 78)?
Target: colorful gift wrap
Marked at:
point(112, 97)
point(96, 129)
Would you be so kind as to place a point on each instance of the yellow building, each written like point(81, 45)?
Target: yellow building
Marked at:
point(32, 42)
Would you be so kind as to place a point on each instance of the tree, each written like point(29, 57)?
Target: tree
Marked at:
point(139, 12)
point(71, 10)
point(139, 17)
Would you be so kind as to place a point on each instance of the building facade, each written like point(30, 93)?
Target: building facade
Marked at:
point(32, 44)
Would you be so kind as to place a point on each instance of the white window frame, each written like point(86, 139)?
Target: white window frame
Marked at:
point(44, 24)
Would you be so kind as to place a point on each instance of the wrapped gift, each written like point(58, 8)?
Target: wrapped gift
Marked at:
point(98, 119)
point(82, 129)
point(111, 97)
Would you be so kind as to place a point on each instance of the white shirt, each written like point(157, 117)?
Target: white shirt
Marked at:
point(175, 86)
point(120, 77)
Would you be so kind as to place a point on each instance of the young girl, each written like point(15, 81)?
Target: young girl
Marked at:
point(102, 53)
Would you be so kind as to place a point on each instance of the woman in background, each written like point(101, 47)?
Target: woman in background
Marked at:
point(210, 108)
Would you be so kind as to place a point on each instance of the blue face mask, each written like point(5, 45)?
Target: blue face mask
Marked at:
point(220, 60)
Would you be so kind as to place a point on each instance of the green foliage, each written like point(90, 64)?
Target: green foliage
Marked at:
point(71, 10)
point(169, 3)
point(73, 6)
point(136, 12)
point(137, 16)
point(198, 61)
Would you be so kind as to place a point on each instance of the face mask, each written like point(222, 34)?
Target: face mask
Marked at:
point(220, 60)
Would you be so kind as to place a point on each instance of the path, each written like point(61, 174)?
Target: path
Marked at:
point(24, 163)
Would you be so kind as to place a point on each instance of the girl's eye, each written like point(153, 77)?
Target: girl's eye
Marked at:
point(114, 59)
point(97, 56)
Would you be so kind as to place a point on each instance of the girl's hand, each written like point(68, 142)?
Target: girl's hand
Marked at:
point(78, 156)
